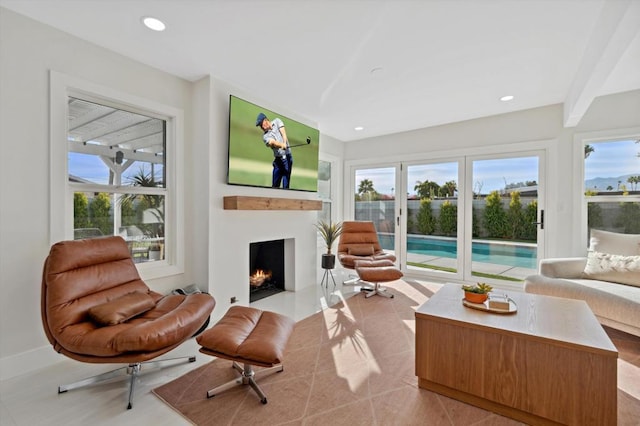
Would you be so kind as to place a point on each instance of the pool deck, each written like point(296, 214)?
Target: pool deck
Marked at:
point(487, 268)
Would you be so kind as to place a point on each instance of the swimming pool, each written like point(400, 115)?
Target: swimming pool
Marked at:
point(511, 254)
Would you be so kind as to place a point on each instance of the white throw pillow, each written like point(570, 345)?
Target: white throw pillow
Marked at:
point(613, 267)
point(614, 243)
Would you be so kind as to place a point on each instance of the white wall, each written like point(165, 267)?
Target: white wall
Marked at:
point(539, 127)
point(216, 240)
point(231, 231)
point(28, 51)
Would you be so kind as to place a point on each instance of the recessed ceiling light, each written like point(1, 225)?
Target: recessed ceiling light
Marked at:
point(506, 98)
point(153, 23)
point(358, 128)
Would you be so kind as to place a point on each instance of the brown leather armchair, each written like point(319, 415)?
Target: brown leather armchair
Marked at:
point(359, 241)
point(96, 309)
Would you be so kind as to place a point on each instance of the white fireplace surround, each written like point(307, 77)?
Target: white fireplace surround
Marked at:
point(230, 252)
point(289, 262)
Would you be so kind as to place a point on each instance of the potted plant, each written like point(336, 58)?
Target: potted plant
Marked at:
point(477, 293)
point(329, 232)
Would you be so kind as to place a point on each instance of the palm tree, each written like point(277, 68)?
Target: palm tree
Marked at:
point(588, 149)
point(366, 189)
point(365, 186)
point(449, 188)
point(147, 202)
point(427, 189)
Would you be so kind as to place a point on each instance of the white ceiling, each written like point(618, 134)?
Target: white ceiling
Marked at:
point(386, 65)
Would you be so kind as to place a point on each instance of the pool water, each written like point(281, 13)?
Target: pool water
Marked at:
point(516, 255)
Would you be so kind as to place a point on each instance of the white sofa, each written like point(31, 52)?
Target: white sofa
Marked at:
point(608, 279)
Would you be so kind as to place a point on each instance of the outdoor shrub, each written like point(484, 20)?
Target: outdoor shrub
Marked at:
point(594, 215)
point(128, 213)
point(515, 219)
point(80, 210)
point(448, 219)
point(629, 218)
point(411, 225)
point(475, 223)
point(530, 229)
point(426, 220)
point(495, 218)
point(99, 210)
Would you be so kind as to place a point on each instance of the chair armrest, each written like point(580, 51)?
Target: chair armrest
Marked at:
point(567, 267)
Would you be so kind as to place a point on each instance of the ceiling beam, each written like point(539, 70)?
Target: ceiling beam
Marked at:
point(613, 33)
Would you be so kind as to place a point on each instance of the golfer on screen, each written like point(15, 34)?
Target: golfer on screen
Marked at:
point(275, 137)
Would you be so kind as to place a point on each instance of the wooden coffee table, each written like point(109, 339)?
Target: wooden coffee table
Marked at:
point(549, 363)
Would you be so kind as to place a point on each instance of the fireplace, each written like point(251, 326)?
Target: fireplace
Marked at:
point(266, 269)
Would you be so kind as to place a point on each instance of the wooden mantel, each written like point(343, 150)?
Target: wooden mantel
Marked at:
point(237, 202)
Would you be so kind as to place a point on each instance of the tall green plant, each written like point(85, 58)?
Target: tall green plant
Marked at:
point(594, 215)
point(448, 219)
point(530, 228)
point(80, 210)
point(329, 232)
point(495, 218)
point(629, 218)
point(515, 219)
point(100, 211)
point(426, 219)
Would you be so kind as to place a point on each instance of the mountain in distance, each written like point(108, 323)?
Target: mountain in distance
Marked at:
point(601, 184)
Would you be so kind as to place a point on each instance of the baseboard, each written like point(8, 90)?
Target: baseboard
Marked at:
point(28, 361)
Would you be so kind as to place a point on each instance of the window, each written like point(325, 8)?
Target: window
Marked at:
point(612, 185)
point(116, 168)
point(324, 190)
point(117, 172)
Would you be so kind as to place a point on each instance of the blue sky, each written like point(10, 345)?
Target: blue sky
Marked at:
point(92, 168)
point(490, 173)
point(613, 159)
point(609, 159)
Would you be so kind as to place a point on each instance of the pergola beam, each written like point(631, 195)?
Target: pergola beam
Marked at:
point(102, 150)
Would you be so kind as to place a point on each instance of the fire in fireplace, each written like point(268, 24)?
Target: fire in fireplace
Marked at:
point(259, 277)
point(266, 269)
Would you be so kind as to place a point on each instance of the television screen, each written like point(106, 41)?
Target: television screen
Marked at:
point(268, 149)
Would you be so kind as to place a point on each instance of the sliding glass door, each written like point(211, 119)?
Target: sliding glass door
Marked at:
point(432, 223)
point(375, 200)
point(506, 217)
point(469, 218)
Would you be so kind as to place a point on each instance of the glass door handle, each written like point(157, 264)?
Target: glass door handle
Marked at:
point(541, 223)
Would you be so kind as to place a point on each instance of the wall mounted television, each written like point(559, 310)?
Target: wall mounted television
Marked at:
point(256, 160)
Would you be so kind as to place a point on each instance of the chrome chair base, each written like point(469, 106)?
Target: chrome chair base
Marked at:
point(352, 281)
point(357, 281)
point(132, 370)
point(379, 290)
point(247, 377)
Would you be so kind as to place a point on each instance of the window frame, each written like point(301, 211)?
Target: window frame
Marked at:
point(331, 201)
point(580, 199)
point(61, 190)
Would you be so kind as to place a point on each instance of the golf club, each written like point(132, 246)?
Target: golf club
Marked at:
point(301, 144)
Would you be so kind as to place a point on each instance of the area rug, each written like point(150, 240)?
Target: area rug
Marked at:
point(350, 364)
